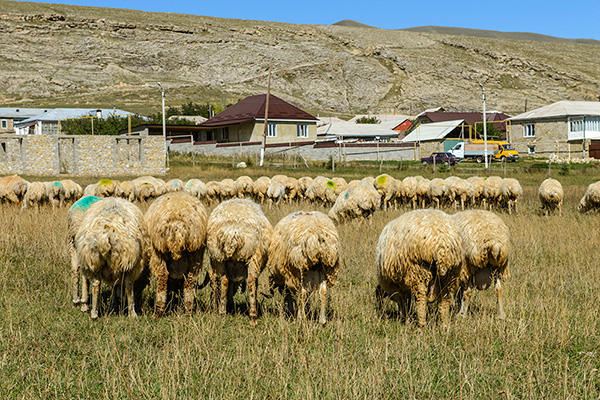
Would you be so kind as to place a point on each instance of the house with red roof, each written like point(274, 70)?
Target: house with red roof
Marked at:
point(245, 122)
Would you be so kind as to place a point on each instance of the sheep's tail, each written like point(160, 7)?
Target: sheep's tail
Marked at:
point(232, 242)
point(496, 250)
point(175, 236)
point(104, 241)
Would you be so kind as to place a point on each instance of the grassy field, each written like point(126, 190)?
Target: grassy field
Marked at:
point(547, 348)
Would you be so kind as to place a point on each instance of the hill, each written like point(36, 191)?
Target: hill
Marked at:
point(60, 55)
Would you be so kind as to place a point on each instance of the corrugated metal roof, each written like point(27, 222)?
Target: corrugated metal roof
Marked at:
point(561, 109)
point(253, 107)
point(469, 117)
point(19, 112)
point(433, 131)
point(356, 130)
point(64, 113)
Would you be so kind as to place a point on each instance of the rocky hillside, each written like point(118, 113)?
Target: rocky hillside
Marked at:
point(67, 55)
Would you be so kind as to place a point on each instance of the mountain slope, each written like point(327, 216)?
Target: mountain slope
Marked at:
point(67, 55)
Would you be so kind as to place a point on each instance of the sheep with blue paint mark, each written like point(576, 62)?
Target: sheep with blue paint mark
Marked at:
point(358, 201)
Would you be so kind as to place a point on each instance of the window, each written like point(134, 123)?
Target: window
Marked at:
point(529, 130)
point(590, 125)
point(530, 149)
point(4, 124)
point(302, 130)
point(272, 130)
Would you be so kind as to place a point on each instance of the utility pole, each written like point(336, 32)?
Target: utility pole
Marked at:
point(264, 139)
point(485, 154)
point(164, 124)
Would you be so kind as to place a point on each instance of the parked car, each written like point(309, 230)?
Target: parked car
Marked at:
point(440, 158)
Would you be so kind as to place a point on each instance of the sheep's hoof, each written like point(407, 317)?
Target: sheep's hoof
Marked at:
point(253, 322)
point(76, 302)
point(94, 315)
point(84, 307)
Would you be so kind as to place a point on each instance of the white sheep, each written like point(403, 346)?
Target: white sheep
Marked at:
point(109, 245)
point(591, 198)
point(196, 188)
point(35, 196)
point(551, 196)
point(420, 254)
point(409, 191)
point(387, 188)
point(73, 190)
point(275, 193)
point(174, 185)
point(357, 201)
point(227, 189)
point(304, 255)
point(244, 186)
point(12, 189)
point(238, 237)
point(303, 184)
point(511, 192)
point(260, 188)
point(487, 248)
point(213, 191)
point(55, 192)
point(460, 190)
point(175, 244)
point(322, 190)
point(492, 192)
point(437, 191)
point(126, 190)
point(477, 184)
point(422, 190)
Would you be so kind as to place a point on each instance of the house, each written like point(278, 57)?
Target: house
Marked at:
point(48, 122)
point(470, 118)
point(437, 136)
point(563, 128)
point(9, 116)
point(245, 122)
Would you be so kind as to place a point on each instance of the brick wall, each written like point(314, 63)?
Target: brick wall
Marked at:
point(82, 155)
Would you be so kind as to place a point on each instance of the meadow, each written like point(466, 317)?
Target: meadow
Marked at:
point(547, 348)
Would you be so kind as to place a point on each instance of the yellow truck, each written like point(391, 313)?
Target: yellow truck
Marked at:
point(496, 150)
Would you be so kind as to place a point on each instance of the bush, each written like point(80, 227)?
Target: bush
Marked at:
point(368, 120)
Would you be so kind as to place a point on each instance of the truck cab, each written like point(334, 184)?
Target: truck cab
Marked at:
point(506, 151)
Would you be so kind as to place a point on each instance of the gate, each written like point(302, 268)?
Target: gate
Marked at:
point(594, 149)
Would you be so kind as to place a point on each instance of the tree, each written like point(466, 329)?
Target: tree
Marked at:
point(368, 120)
point(110, 125)
point(492, 131)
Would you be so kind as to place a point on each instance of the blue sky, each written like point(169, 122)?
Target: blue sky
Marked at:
point(568, 19)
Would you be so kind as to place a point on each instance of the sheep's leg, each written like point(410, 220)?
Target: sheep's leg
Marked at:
point(301, 303)
point(499, 291)
point(462, 203)
point(162, 280)
point(252, 295)
point(74, 273)
point(95, 294)
point(130, 297)
point(465, 301)
point(444, 309)
point(323, 298)
point(421, 304)
point(223, 297)
point(437, 202)
point(85, 294)
point(189, 294)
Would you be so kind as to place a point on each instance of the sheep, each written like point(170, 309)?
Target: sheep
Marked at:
point(244, 186)
point(437, 191)
point(227, 189)
point(260, 187)
point(387, 188)
point(126, 190)
point(106, 188)
point(174, 185)
point(492, 192)
point(12, 189)
point(74, 219)
point(109, 246)
point(422, 190)
point(487, 247)
point(591, 198)
point(357, 201)
point(511, 192)
point(303, 184)
point(369, 179)
point(304, 255)
point(175, 244)
point(275, 193)
point(462, 190)
point(409, 191)
point(354, 182)
point(340, 185)
point(90, 190)
point(477, 184)
point(55, 192)
point(322, 189)
point(148, 188)
point(551, 196)
point(420, 254)
point(35, 196)
point(290, 185)
point(73, 190)
point(238, 237)
point(196, 188)
point(213, 191)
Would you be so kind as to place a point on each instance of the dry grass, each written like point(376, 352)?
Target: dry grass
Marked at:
point(549, 347)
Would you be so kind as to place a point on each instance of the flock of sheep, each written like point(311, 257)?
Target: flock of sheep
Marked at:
point(423, 256)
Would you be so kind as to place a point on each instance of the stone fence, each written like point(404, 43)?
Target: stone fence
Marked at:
point(80, 155)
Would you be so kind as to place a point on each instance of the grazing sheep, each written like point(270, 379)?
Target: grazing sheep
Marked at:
point(340, 185)
point(175, 244)
point(73, 190)
point(290, 185)
point(126, 190)
point(357, 201)
point(354, 182)
point(148, 188)
point(437, 191)
point(227, 189)
point(591, 198)
point(55, 193)
point(244, 186)
point(492, 192)
point(487, 246)
point(409, 191)
point(74, 219)
point(420, 254)
point(260, 188)
point(303, 184)
point(304, 255)
point(213, 191)
point(460, 190)
point(12, 189)
point(35, 196)
point(106, 188)
point(275, 193)
point(174, 185)
point(551, 196)
point(511, 192)
point(109, 245)
point(90, 190)
point(369, 179)
point(322, 189)
point(196, 188)
point(238, 237)
point(477, 184)
point(387, 188)
point(422, 191)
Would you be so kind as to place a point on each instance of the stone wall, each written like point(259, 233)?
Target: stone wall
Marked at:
point(82, 155)
point(550, 138)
